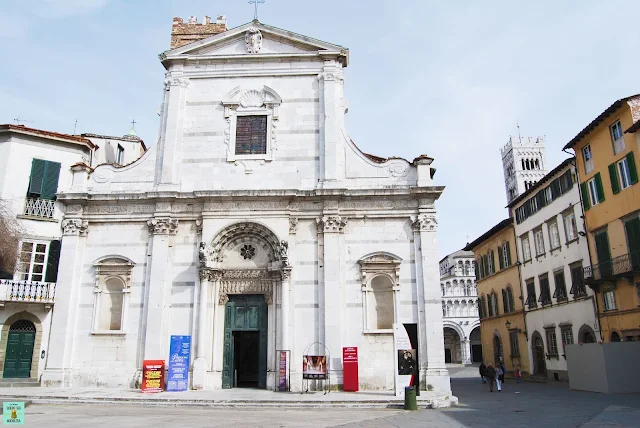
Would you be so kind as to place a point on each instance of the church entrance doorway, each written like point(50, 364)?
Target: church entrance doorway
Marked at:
point(245, 342)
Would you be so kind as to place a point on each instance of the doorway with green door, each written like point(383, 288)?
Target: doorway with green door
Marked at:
point(19, 351)
point(245, 342)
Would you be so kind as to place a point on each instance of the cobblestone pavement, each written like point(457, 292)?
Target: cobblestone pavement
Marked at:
point(536, 405)
point(525, 405)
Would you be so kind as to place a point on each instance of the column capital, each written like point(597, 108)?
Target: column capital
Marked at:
point(209, 274)
point(285, 274)
point(332, 224)
point(223, 299)
point(163, 226)
point(425, 223)
point(75, 227)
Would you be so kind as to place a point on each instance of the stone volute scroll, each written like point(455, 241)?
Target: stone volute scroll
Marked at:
point(75, 227)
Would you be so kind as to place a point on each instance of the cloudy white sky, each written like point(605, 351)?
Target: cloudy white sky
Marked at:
point(448, 79)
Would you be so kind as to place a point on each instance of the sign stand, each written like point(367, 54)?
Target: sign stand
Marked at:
point(316, 367)
point(283, 382)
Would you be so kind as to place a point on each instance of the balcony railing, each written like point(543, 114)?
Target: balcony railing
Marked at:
point(27, 291)
point(36, 207)
point(614, 268)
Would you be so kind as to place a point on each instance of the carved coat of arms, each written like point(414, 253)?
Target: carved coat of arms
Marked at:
point(253, 40)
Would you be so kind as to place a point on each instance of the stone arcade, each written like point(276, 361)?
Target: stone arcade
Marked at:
point(254, 224)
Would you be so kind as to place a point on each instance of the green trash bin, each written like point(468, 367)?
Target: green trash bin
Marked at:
point(410, 398)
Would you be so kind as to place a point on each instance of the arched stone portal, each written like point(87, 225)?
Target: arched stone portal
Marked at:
point(242, 269)
point(476, 345)
point(452, 351)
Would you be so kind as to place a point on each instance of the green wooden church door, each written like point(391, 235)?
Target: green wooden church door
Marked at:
point(20, 341)
point(244, 313)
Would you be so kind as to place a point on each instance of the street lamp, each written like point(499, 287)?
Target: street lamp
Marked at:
point(508, 325)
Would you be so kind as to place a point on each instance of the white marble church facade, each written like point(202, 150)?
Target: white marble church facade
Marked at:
point(293, 223)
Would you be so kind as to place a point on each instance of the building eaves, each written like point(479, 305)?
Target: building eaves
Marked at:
point(495, 229)
point(531, 190)
point(123, 138)
point(21, 129)
point(595, 122)
point(633, 128)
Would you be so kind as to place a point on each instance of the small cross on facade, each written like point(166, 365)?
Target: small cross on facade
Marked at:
point(255, 10)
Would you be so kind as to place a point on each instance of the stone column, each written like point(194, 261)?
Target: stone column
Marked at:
point(466, 351)
point(430, 328)
point(333, 226)
point(171, 133)
point(200, 363)
point(63, 323)
point(285, 306)
point(332, 108)
point(158, 289)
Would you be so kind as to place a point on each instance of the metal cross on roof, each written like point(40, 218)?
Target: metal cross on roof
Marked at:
point(133, 123)
point(255, 10)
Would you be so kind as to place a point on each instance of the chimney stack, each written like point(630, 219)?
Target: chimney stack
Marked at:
point(183, 34)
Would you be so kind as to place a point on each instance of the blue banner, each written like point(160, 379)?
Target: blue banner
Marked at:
point(179, 356)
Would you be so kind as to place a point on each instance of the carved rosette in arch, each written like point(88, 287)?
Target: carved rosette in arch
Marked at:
point(75, 227)
point(246, 281)
point(425, 223)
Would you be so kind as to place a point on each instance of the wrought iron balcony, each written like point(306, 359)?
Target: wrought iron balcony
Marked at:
point(36, 207)
point(27, 291)
point(617, 267)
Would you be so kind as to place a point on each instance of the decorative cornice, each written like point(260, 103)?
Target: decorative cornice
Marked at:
point(425, 223)
point(75, 227)
point(163, 226)
point(332, 224)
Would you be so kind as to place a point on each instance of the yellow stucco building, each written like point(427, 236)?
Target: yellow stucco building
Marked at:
point(607, 155)
point(502, 325)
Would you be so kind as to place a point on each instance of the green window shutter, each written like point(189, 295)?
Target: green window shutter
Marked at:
point(37, 176)
point(500, 258)
point(613, 175)
point(585, 196)
point(50, 180)
point(633, 172)
point(493, 261)
point(600, 188)
point(508, 255)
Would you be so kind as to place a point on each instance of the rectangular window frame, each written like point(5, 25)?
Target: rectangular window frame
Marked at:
point(566, 336)
point(594, 196)
point(119, 155)
point(29, 274)
point(545, 289)
point(526, 248)
point(617, 137)
point(570, 230)
point(587, 158)
point(578, 288)
point(552, 342)
point(538, 239)
point(532, 301)
point(233, 123)
point(514, 345)
point(560, 293)
point(609, 300)
point(554, 238)
point(624, 174)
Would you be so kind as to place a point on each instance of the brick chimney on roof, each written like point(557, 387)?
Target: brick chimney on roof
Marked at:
point(183, 34)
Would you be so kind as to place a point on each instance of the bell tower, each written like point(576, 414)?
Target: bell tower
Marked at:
point(524, 162)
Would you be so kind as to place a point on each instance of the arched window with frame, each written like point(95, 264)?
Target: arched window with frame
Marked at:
point(380, 276)
point(111, 291)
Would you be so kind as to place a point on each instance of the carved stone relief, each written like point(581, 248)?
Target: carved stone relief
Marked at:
point(293, 225)
point(425, 223)
point(163, 226)
point(253, 40)
point(75, 226)
point(332, 224)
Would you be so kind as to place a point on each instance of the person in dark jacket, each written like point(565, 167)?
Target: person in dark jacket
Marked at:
point(483, 370)
point(490, 373)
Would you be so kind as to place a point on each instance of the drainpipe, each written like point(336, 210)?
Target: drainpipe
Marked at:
point(594, 298)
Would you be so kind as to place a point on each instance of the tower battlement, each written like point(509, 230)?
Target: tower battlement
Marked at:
point(529, 142)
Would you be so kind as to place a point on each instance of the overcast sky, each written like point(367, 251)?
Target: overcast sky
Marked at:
point(450, 81)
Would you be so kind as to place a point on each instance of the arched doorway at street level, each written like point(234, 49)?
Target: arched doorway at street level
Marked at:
point(452, 351)
point(19, 351)
point(475, 341)
point(537, 351)
point(497, 348)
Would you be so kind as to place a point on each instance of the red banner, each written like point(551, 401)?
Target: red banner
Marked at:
point(153, 376)
point(350, 368)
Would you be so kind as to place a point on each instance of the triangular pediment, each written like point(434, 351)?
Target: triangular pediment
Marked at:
point(272, 41)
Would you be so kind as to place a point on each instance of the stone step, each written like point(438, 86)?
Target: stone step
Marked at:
point(18, 382)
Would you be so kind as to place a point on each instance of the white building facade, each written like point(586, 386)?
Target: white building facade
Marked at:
point(34, 164)
point(462, 342)
point(253, 225)
point(524, 162)
point(552, 249)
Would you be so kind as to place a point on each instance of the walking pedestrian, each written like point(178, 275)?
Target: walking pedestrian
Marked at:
point(504, 369)
point(483, 370)
point(518, 374)
point(490, 373)
point(499, 376)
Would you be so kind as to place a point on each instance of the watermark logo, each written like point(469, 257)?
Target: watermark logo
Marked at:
point(13, 413)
